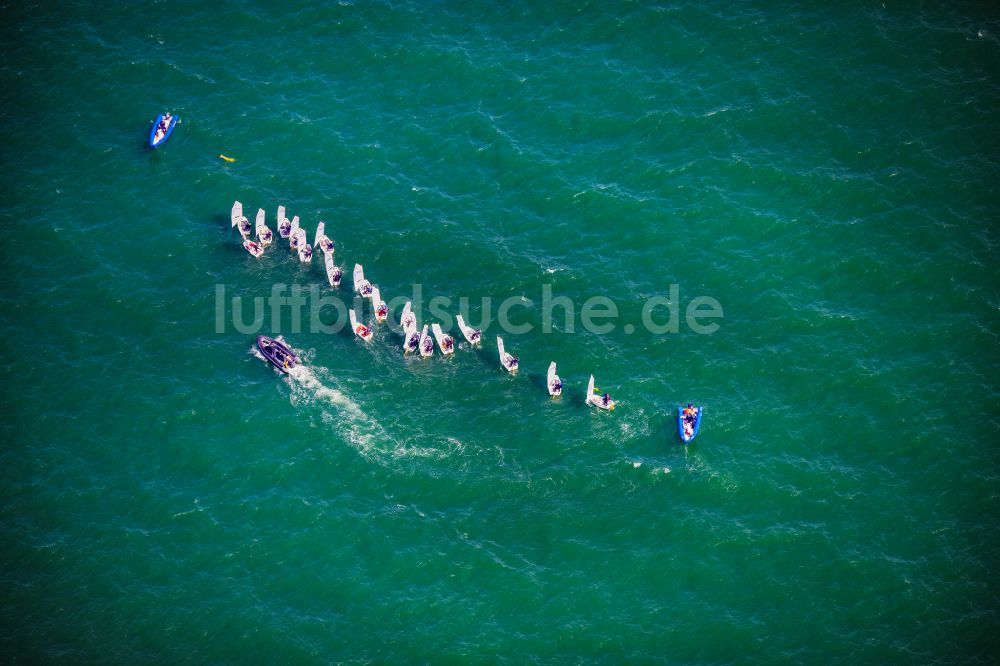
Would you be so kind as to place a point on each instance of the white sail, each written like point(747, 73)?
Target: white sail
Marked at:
point(473, 336)
point(295, 227)
point(333, 274)
point(597, 400)
point(408, 320)
point(361, 285)
point(411, 340)
point(381, 310)
point(506, 360)
point(552, 380)
point(319, 234)
point(261, 231)
point(360, 330)
point(446, 343)
point(284, 226)
point(237, 212)
point(425, 348)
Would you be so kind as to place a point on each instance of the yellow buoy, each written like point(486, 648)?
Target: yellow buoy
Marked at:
point(228, 159)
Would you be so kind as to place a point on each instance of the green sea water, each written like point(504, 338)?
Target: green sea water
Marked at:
point(826, 172)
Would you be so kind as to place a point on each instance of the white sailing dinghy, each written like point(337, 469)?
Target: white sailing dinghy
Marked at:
point(362, 331)
point(240, 220)
point(506, 360)
point(408, 320)
point(284, 226)
point(305, 249)
point(323, 241)
point(293, 233)
point(411, 340)
point(361, 285)
point(381, 309)
point(553, 381)
point(426, 343)
point(237, 213)
point(263, 233)
point(333, 273)
point(445, 342)
point(602, 401)
point(254, 248)
point(411, 336)
point(474, 336)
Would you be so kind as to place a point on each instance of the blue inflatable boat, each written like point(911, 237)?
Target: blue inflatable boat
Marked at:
point(158, 134)
point(688, 426)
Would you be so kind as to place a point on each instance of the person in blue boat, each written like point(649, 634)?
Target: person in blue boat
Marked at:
point(161, 129)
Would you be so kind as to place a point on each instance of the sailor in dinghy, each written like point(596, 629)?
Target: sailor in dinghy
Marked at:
point(407, 320)
point(381, 309)
point(284, 225)
point(323, 241)
point(256, 249)
point(508, 361)
point(445, 342)
point(361, 285)
point(553, 381)
point(243, 224)
point(261, 230)
point(333, 273)
point(426, 343)
point(411, 336)
point(473, 335)
point(362, 331)
point(601, 401)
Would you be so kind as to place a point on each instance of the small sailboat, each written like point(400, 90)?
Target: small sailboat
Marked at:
point(472, 335)
point(333, 273)
point(284, 225)
point(426, 343)
point(323, 241)
point(361, 285)
point(253, 247)
point(446, 343)
point(407, 320)
point(508, 361)
point(381, 309)
point(237, 212)
point(240, 221)
point(260, 229)
point(362, 331)
point(601, 401)
point(553, 382)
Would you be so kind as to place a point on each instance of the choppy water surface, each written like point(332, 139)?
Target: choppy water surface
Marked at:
point(827, 174)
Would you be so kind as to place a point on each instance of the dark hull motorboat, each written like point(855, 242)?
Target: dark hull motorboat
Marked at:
point(279, 355)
